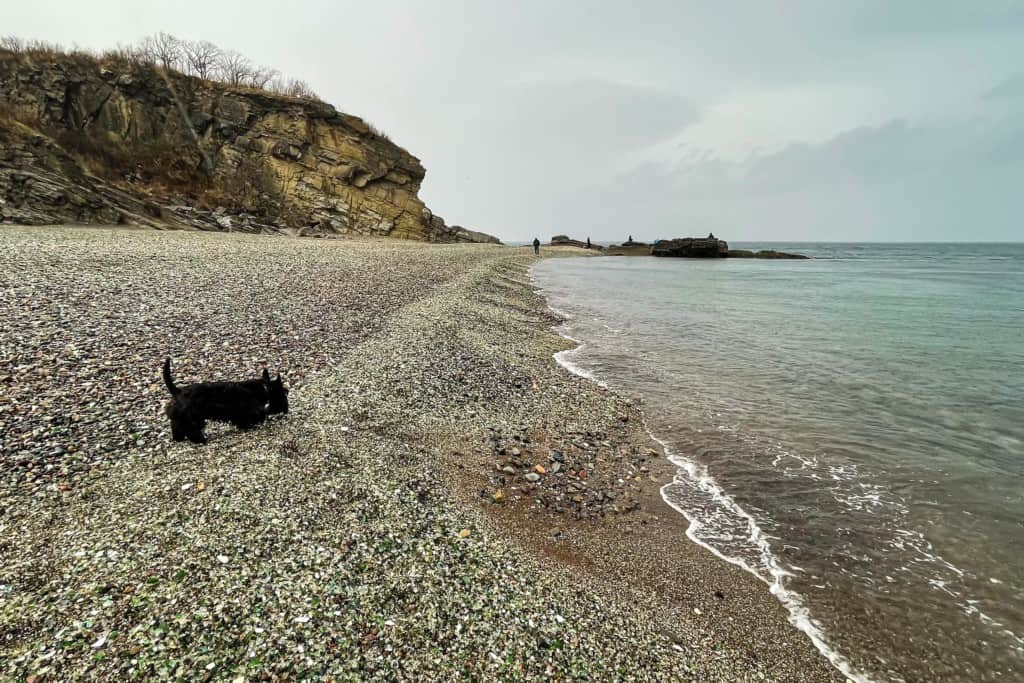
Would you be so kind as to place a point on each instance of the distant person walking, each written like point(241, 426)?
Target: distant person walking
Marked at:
point(588, 243)
point(536, 246)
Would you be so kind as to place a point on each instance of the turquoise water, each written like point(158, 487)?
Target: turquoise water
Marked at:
point(849, 428)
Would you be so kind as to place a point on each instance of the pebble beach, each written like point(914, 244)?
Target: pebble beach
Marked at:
point(442, 502)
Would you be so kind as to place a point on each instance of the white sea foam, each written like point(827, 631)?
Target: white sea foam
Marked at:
point(567, 358)
point(799, 614)
point(696, 475)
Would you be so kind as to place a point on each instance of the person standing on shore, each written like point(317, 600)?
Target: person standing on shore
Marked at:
point(536, 246)
point(588, 243)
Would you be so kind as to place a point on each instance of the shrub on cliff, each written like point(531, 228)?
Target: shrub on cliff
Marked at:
point(162, 163)
point(199, 59)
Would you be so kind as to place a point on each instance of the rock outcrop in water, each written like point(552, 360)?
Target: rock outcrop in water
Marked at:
point(764, 253)
point(87, 140)
point(691, 247)
point(566, 241)
point(710, 247)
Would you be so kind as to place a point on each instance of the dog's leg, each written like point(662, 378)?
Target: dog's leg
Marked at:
point(173, 414)
point(260, 416)
point(194, 432)
point(244, 423)
point(250, 420)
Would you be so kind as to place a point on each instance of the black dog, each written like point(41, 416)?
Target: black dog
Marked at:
point(243, 404)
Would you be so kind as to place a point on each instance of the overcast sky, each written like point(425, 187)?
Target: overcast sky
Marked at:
point(760, 121)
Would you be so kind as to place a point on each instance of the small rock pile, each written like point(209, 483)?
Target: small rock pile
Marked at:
point(581, 474)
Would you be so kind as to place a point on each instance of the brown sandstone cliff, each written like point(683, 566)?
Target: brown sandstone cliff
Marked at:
point(86, 140)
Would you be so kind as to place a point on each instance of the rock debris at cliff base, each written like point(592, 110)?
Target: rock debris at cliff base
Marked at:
point(326, 543)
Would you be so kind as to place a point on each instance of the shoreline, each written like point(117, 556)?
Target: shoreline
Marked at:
point(799, 615)
point(359, 535)
point(615, 541)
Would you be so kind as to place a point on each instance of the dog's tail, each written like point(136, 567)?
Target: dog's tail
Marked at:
point(167, 378)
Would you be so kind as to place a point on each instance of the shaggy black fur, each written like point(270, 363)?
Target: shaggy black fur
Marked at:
point(243, 404)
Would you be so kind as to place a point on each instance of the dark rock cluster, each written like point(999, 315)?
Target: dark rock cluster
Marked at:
point(583, 475)
point(711, 247)
point(566, 241)
point(764, 253)
point(691, 247)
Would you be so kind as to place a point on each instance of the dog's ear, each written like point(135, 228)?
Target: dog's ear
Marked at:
point(278, 380)
point(266, 375)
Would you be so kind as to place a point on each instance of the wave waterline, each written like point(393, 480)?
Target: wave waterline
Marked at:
point(697, 475)
point(861, 409)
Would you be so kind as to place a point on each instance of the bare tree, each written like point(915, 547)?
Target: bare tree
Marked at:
point(123, 53)
point(298, 88)
point(233, 68)
point(163, 49)
point(201, 57)
point(293, 87)
point(16, 44)
point(12, 43)
point(198, 58)
point(260, 76)
point(141, 53)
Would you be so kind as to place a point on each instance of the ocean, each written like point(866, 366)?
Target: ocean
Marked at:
point(849, 429)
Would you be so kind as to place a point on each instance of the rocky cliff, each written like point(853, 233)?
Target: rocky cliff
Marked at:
point(86, 140)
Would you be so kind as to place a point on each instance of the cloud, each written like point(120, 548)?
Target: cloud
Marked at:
point(539, 146)
point(895, 181)
point(1012, 87)
point(584, 127)
point(863, 155)
point(797, 117)
point(898, 180)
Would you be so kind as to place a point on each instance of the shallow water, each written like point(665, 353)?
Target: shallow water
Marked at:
point(849, 428)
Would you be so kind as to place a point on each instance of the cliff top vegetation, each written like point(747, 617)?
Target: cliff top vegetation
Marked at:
point(198, 59)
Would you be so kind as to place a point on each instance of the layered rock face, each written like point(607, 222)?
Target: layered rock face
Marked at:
point(41, 184)
point(88, 141)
